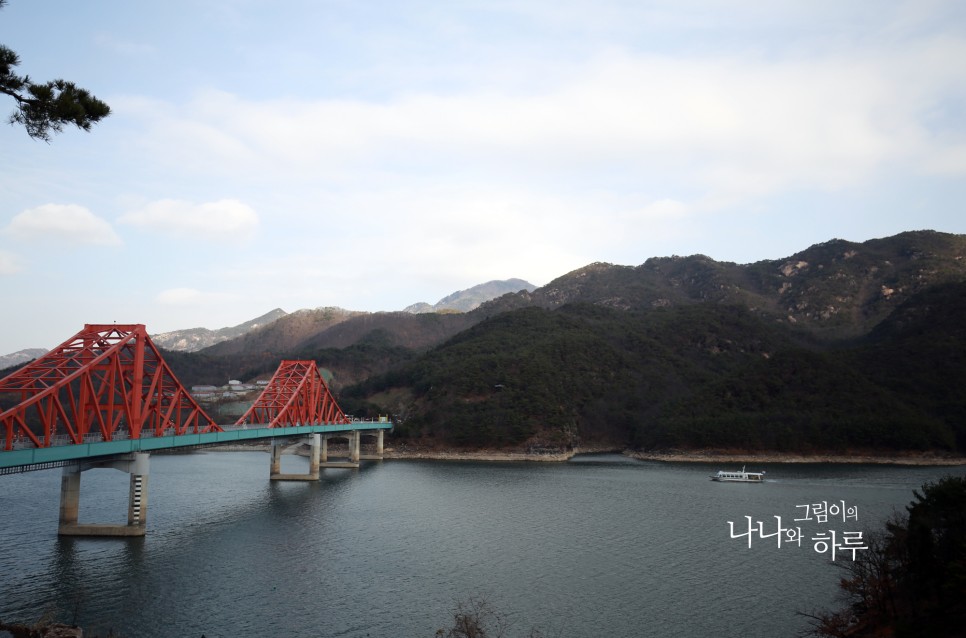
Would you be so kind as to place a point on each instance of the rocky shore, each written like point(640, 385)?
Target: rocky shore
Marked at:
point(409, 451)
point(675, 456)
point(475, 455)
point(716, 456)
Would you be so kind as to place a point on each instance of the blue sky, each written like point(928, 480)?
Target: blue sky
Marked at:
point(369, 155)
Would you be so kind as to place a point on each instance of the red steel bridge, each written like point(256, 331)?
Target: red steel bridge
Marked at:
point(106, 398)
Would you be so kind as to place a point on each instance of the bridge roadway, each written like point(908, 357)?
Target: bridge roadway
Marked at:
point(58, 455)
point(132, 456)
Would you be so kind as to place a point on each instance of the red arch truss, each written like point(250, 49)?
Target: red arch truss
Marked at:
point(297, 394)
point(106, 382)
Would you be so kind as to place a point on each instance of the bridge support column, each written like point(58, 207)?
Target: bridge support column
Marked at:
point(136, 465)
point(379, 449)
point(69, 496)
point(353, 445)
point(314, 455)
point(276, 463)
point(355, 442)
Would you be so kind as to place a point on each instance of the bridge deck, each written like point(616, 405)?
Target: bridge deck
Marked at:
point(76, 452)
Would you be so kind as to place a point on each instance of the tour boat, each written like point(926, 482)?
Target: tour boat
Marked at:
point(739, 477)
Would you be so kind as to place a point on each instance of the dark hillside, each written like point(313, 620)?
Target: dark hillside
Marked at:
point(307, 330)
point(402, 329)
point(919, 353)
point(796, 401)
point(582, 372)
point(371, 356)
point(691, 376)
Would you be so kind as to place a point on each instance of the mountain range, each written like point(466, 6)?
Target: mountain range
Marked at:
point(471, 298)
point(834, 290)
point(842, 346)
point(194, 339)
point(290, 330)
point(299, 322)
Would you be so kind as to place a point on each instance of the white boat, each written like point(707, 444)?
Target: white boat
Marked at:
point(739, 477)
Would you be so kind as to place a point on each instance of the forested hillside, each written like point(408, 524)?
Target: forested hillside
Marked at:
point(841, 347)
point(700, 376)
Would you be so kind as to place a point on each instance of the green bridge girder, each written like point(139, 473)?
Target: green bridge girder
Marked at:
point(82, 451)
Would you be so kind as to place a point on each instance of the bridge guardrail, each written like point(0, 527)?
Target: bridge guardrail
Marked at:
point(63, 440)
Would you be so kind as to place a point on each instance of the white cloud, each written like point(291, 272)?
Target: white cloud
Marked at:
point(64, 223)
point(731, 128)
point(226, 219)
point(9, 263)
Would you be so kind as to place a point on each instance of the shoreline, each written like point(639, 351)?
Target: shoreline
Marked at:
point(710, 456)
point(665, 456)
point(678, 456)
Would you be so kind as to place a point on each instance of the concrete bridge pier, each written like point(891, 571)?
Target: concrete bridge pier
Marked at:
point(135, 464)
point(353, 444)
point(316, 453)
point(379, 448)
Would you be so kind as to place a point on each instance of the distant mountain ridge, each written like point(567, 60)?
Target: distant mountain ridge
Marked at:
point(194, 339)
point(471, 298)
point(21, 356)
point(334, 327)
point(286, 333)
point(836, 288)
point(303, 325)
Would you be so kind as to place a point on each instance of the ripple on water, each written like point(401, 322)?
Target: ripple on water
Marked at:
point(598, 546)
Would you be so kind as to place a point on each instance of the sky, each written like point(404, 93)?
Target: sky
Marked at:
point(296, 154)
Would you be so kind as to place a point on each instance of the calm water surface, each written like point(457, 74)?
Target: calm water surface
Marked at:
point(600, 546)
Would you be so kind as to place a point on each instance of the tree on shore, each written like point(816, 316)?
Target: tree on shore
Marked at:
point(912, 579)
point(45, 108)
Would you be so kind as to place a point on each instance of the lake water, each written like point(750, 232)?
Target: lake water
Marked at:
point(599, 546)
